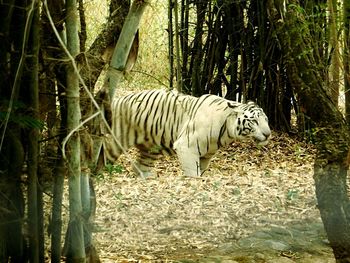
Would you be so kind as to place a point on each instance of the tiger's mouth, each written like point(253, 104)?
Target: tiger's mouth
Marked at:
point(262, 140)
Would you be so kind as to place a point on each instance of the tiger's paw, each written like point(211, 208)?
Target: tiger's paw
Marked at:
point(147, 174)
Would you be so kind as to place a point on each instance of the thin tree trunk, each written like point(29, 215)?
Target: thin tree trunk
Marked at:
point(100, 52)
point(56, 219)
point(177, 47)
point(52, 85)
point(171, 44)
point(75, 237)
point(234, 16)
point(59, 172)
point(197, 51)
point(121, 52)
point(87, 196)
point(33, 139)
point(334, 70)
point(346, 58)
point(86, 144)
point(185, 10)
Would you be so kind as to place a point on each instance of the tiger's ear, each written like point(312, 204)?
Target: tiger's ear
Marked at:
point(234, 106)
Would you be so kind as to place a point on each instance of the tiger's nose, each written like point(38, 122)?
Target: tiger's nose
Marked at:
point(267, 134)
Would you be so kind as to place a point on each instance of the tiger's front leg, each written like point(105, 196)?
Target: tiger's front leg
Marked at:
point(189, 161)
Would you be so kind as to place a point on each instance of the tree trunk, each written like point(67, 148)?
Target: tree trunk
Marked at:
point(124, 44)
point(33, 140)
point(56, 118)
point(75, 250)
point(56, 218)
point(100, 52)
point(171, 44)
point(87, 196)
point(185, 14)
point(346, 58)
point(177, 47)
point(331, 133)
point(197, 50)
point(59, 173)
point(334, 71)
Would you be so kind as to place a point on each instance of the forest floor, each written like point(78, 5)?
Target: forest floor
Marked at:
point(254, 204)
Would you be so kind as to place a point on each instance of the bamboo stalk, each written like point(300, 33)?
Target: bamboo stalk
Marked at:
point(33, 139)
point(177, 48)
point(171, 44)
point(75, 237)
point(121, 52)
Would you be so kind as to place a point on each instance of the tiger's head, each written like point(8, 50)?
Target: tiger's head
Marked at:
point(251, 121)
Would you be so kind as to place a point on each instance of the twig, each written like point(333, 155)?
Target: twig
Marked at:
point(150, 75)
point(65, 140)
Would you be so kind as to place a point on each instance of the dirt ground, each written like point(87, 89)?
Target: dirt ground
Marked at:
point(254, 204)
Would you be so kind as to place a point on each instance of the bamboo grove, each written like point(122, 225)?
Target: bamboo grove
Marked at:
point(230, 48)
point(291, 57)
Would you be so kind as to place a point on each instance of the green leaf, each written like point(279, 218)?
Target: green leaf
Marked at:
point(23, 121)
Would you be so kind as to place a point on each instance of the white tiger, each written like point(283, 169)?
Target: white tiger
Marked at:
point(168, 122)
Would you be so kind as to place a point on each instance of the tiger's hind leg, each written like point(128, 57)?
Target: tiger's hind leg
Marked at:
point(145, 161)
point(111, 149)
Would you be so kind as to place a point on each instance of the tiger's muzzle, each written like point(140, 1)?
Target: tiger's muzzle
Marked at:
point(263, 138)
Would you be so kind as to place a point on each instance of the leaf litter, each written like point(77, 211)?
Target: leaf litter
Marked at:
point(169, 216)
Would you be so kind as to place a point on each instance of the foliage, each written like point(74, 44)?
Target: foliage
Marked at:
point(114, 168)
point(292, 194)
point(19, 115)
point(24, 121)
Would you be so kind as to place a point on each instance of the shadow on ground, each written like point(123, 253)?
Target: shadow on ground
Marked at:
point(300, 242)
